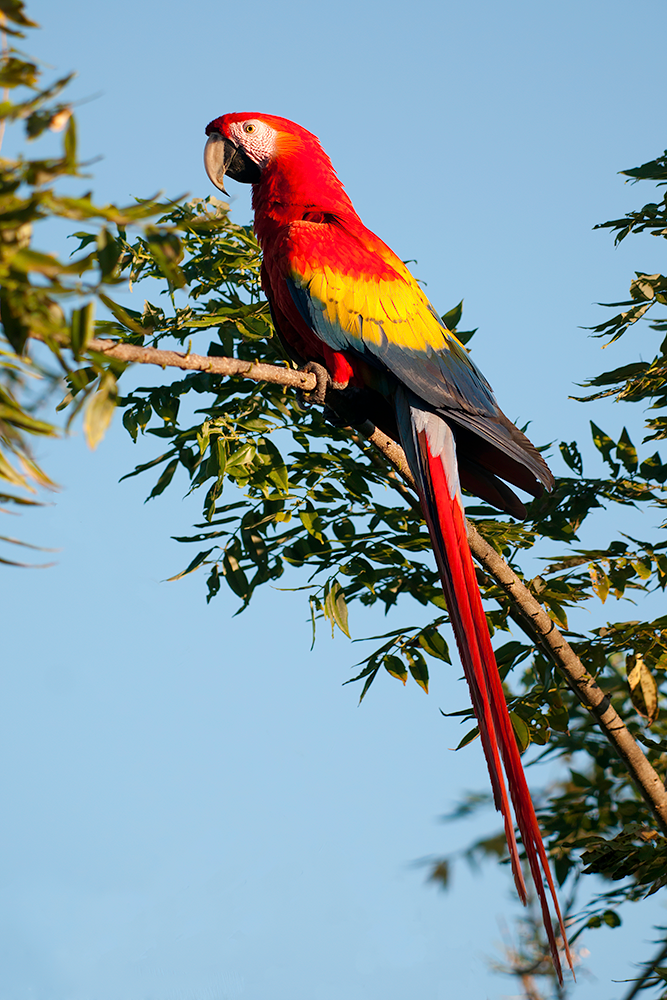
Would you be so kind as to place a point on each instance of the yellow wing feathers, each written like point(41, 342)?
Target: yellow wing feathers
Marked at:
point(376, 310)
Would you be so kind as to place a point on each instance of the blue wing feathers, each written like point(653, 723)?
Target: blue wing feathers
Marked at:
point(446, 380)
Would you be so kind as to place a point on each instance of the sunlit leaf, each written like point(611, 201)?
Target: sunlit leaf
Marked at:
point(643, 688)
point(100, 410)
point(335, 607)
point(626, 452)
point(600, 581)
point(395, 667)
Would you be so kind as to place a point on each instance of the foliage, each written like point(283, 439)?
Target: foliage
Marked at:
point(286, 491)
point(35, 285)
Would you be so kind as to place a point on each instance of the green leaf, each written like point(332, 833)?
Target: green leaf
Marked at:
point(28, 261)
point(15, 11)
point(395, 667)
point(643, 568)
point(418, 668)
point(335, 607)
point(511, 653)
point(245, 455)
point(643, 688)
point(164, 480)
point(130, 423)
point(559, 718)
point(82, 328)
point(605, 446)
point(572, 456)
point(611, 918)
point(441, 873)
point(85, 240)
point(521, 731)
point(121, 314)
point(471, 735)
point(213, 583)
point(312, 523)
point(167, 251)
point(17, 73)
point(100, 410)
point(69, 143)
point(464, 336)
point(654, 170)
point(435, 645)
point(600, 581)
point(626, 452)
point(144, 412)
point(15, 319)
point(452, 318)
point(108, 255)
point(77, 380)
point(278, 474)
point(236, 579)
point(165, 404)
point(195, 564)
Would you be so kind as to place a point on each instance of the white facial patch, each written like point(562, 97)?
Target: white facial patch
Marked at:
point(255, 138)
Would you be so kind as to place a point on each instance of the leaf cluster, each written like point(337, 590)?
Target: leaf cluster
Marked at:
point(35, 286)
point(641, 380)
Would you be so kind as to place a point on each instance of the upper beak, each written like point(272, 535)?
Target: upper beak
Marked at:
point(218, 154)
point(222, 156)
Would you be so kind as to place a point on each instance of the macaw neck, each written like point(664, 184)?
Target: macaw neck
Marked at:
point(297, 186)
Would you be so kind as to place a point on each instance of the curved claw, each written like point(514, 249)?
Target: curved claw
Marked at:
point(318, 395)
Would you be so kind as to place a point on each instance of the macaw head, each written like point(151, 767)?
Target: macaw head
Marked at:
point(242, 146)
point(289, 170)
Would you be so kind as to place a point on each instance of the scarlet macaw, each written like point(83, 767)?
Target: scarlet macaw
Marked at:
point(341, 298)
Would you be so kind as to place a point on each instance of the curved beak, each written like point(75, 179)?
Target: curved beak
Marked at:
point(218, 154)
point(222, 156)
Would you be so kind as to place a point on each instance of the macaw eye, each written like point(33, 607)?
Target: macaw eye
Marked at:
point(249, 127)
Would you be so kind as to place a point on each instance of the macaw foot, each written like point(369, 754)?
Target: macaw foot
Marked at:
point(318, 395)
point(344, 405)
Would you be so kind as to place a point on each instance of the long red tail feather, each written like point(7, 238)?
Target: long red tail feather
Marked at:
point(429, 444)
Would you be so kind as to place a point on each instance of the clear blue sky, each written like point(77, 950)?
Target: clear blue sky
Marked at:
point(195, 807)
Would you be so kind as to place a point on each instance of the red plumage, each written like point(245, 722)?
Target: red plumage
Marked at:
point(340, 297)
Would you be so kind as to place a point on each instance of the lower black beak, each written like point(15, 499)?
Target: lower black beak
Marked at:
point(222, 156)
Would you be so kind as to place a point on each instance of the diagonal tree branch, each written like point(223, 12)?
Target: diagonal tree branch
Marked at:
point(537, 624)
point(530, 615)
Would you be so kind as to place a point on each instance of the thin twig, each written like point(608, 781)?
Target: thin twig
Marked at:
point(644, 981)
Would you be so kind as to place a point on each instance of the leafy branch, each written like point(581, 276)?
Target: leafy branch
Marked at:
point(526, 610)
